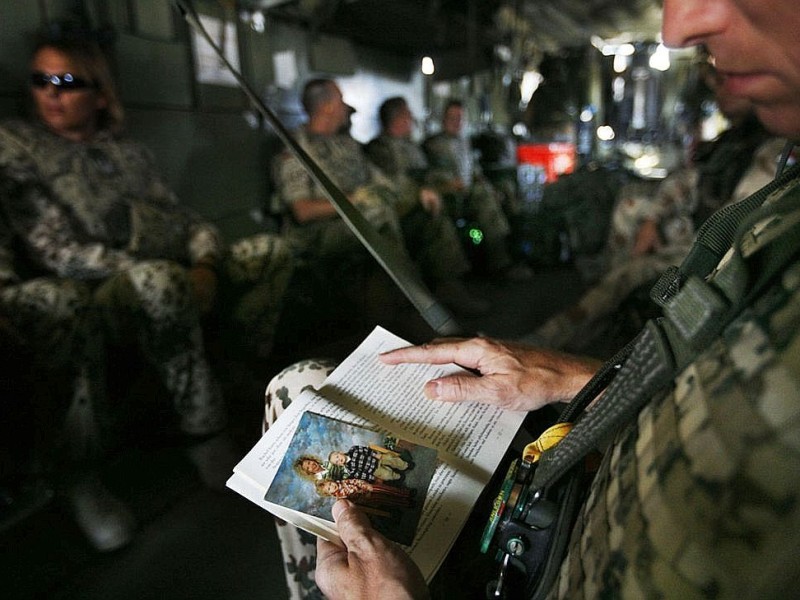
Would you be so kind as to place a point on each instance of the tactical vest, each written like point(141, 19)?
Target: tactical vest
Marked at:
point(699, 493)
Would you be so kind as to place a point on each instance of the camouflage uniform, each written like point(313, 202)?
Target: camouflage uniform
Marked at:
point(395, 212)
point(97, 227)
point(685, 199)
point(699, 496)
point(450, 159)
point(54, 324)
point(299, 548)
point(400, 159)
point(673, 207)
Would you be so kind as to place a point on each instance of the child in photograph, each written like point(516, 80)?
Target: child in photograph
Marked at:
point(315, 469)
point(369, 463)
point(364, 492)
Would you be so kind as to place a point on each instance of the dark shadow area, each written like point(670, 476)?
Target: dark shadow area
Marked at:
point(197, 543)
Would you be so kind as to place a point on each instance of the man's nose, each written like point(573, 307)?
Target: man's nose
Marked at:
point(692, 22)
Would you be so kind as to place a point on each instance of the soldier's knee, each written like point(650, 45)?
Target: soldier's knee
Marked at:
point(157, 275)
point(160, 284)
point(291, 381)
point(253, 257)
point(58, 300)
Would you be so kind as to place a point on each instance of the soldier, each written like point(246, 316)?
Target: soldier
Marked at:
point(697, 495)
point(111, 257)
point(399, 157)
point(315, 228)
point(650, 234)
point(455, 176)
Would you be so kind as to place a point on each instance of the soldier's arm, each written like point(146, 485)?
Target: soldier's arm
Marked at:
point(307, 210)
point(299, 193)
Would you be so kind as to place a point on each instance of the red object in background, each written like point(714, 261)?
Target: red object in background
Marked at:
point(556, 158)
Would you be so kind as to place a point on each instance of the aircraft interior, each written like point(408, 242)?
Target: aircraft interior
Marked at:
point(568, 106)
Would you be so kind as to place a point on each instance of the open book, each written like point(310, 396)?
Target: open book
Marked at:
point(469, 438)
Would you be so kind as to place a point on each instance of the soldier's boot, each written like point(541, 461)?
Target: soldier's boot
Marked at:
point(105, 520)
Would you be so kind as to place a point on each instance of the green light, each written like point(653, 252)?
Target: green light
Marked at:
point(475, 235)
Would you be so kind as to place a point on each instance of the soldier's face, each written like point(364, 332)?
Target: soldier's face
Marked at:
point(71, 113)
point(404, 123)
point(451, 121)
point(339, 109)
point(755, 49)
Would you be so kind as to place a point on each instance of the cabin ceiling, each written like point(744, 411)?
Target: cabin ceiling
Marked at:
point(470, 27)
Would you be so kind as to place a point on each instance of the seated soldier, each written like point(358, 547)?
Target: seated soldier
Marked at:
point(455, 176)
point(429, 239)
point(398, 157)
point(696, 494)
point(650, 234)
point(53, 321)
point(109, 253)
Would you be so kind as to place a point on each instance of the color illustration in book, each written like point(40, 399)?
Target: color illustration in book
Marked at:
point(329, 459)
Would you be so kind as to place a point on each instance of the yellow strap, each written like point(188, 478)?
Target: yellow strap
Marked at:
point(549, 438)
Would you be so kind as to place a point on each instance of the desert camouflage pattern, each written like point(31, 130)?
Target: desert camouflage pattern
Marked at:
point(299, 548)
point(88, 210)
point(673, 207)
point(700, 497)
point(431, 242)
point(97, 249)
point(675, 203)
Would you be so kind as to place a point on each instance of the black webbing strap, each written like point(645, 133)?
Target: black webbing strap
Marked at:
point(596, 384)
point(648, 369)
point(765, 242)
point(770, 258)
point(650, 362)
point(714, 238)
point(396, 266)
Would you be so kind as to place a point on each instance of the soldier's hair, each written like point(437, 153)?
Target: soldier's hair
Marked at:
point(452, 102)
point(390, 108)
point(88, 54)
point(316, 92)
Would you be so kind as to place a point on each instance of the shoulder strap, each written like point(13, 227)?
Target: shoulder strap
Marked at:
point(695, 312)
point(765, 241)
point(714, 239)
point(648, 368)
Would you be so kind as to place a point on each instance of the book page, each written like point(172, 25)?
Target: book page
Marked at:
point(471, 438)
point(390, 396)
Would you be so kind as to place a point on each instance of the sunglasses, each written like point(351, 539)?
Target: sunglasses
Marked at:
point(63, 81)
